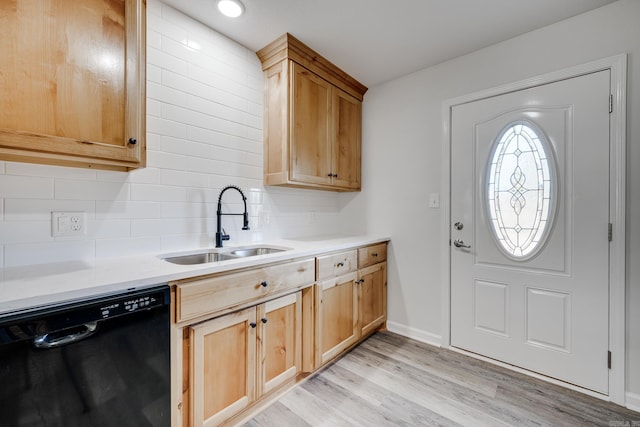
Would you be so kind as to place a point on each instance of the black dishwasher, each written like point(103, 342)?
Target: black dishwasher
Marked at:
point(97, 362)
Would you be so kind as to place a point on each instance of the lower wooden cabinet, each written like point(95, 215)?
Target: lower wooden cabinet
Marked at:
point(223, 375)
point(372, 297)
point(279, 342)
point(241, 356)
point(240, 338)
point(337, 316)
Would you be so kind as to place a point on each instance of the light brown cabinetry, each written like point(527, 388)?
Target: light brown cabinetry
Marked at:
point(239, 357)
point(240, 338)
point(237, 337)
point(313, 119)
point(351, 294)
point(337, 304)
point(372, 288)
point(72, 90)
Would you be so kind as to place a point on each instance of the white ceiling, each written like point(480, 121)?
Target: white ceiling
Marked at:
point(376, 40)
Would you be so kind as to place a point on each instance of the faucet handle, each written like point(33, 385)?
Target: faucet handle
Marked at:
point(224, 235)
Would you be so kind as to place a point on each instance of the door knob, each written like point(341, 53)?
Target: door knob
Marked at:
point(460, 244)
point(458, 225)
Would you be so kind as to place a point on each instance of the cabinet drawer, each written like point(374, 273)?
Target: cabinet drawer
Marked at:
point(203, 296)
point(372, 255)
point(336, 264)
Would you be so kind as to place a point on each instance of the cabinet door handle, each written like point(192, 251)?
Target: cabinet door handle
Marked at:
point(340, 264)
point(253, 324)
point(133, 141)
point(264, 320)
point(264, 283)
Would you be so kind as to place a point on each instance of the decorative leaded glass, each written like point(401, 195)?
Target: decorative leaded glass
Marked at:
point(521, 190)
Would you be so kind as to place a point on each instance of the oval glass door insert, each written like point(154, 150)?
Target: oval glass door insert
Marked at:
point(521, 190)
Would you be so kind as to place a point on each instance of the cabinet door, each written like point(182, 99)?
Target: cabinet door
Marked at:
point(310, 144)
point(347, 127)
point(224, 366)
point(279, 341)
point(372, 297)
point(337, 316)
point(72, 90)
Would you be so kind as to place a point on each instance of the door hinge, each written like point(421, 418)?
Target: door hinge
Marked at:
point(610, 103)
point(609, 359)
point(610, 232)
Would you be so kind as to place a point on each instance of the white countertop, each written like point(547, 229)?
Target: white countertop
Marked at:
point(25, 287)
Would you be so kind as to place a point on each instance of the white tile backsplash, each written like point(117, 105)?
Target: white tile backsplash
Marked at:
point(204, 131)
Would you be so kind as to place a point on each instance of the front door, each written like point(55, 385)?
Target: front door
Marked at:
point(529, 238)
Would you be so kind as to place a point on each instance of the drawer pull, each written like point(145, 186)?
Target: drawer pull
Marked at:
point(264, 283)
point(340, 264)
point(375, 254)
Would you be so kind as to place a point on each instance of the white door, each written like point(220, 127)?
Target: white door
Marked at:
point(529, 238)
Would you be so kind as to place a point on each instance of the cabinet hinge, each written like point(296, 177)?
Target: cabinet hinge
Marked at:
point(609, 359)
point(610, 232)
point(610, 103)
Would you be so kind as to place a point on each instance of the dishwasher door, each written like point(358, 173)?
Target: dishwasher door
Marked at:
point(101, 362)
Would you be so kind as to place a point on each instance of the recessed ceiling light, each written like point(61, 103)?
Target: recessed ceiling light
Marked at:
point(231, 8)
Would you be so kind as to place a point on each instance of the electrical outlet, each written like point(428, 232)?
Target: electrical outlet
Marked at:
point(68, 223)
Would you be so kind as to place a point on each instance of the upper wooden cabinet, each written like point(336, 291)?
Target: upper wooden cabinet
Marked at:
point(313, 119)
point(72, 82)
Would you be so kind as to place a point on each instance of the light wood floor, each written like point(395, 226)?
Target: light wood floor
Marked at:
point(390, 380)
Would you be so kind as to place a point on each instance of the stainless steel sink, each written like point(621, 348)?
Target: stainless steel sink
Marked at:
point(245, 252)
point(211, 256)
point(199, 258)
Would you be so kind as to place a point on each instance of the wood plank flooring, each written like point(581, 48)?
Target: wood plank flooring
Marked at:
point(390, 380)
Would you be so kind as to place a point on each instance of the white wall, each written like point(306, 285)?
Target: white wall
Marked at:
point(402, 155)
point(204, 131)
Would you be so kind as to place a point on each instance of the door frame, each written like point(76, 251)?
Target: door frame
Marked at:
point(617, 204)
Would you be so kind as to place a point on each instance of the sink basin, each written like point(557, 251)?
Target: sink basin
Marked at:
point(245, 252)
point(200, 258)
point(210, 256)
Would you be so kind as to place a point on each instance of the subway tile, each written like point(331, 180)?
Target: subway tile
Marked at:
point(127, 247)
point(108, 228)
point(180, 162)
point(32, 169)
point(91, 190)
point(14, 186)
point(148, 175)
point(166, 28)
point(164, 94)
point(25, 231)
point(166, 61)
point(166, 127)
point(157, 193)
point(147, 227)
point(185, 147)
point(188, 209)
point(183, 178)
point(127, 210)
point(154, 107)
point(154, 39)
point(175, 243)
point(40, 209)
point(42, 253)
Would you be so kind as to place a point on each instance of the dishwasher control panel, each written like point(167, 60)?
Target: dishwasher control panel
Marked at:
point(129, 305)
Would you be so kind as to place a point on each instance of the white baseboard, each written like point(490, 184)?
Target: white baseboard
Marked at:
point(416, 334)
point(633, 401)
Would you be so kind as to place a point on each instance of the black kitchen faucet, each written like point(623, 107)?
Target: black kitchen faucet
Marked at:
point(220, 233)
